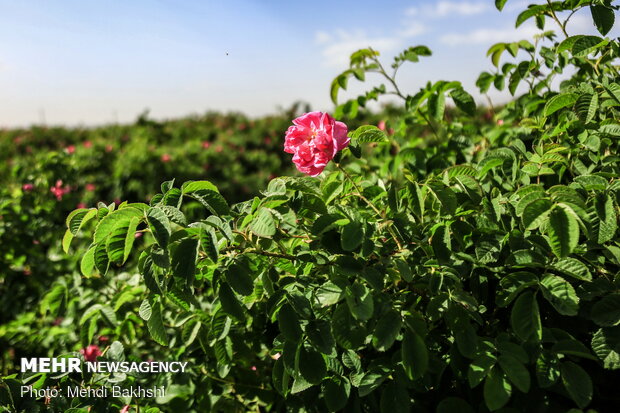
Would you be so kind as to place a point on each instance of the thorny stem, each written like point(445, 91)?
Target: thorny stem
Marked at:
point(381, 214)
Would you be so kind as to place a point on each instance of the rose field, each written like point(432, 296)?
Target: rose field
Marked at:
point(407, 251)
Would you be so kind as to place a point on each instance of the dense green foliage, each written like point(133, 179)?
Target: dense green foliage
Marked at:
point(474, 266)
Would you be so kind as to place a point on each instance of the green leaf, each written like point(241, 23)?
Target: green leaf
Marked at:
point(263, 224)
point(208, 243)
point(531, 11)
point(606, 345)
point(76, 219)
point(497, 390)
point(500, 4)
point(577, 383)
point(463, 101)
point(184, 260)
point(288, 323)
point(336, 394)
point(87, 264)
point(573, 268)
point(212, 200)
point(535, 213)
point(110, 221)
point(328, 294)
point(585, 45)
point(610, 129)
point(352, 236)
point(442, 244)
point(320, 335)
point(239, 277)
point(386, 330)
point(606, 312)
point(547, 369)
point(367, 134)
point(102, 263)
point(229, 302)
point(606, 222)
point(311, 365)
point(159, 225)
point(525, 317)
point(561, 294)
point(563, 231)
point(516, 372)
point(558, 102)
point(371, 380)
point(121, 239)
point(349, 334)
point(414, 355)
point(360, 302)
point(155, 325)
point(479, 368)
point(145, 310)
point(193, 186)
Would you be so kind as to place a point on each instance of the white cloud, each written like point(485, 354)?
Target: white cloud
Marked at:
point(489, 36)
point(449, 8)
point(413, 29)
point(340, 46)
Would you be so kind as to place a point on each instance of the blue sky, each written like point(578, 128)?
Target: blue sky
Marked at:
point(93, 62)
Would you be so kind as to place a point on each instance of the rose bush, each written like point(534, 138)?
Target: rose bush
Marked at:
point(472, 265)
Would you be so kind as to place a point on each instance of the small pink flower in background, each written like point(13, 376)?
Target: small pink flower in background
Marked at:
point(27, 187)
point(272, 176)
point(138, 235)
point(253, 368)
point(219, 149)
point(125, 409)
point(206, 144)
point(59, 191)
point(500, 122)
point(90, 187)
point(109, 148)
point(88, 144)
point(276, 356)
point(314, 139)
point(91, 352)
point(166, 158)
point(70, 149)
point(103, 339)
point(36, 241)
point(117, 201)
point(267, 141)
point(27, 272)
point(381, 125)
point(81, 205)
point(390, 131)
point(57, 321)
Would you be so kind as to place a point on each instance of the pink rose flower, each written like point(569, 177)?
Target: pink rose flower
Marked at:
point(70, 149)
point(206, 144)
point(91, 352)
point(381, 125)
point(59, 191)
point(314, 139)
point(90, 187)
point(125, 409)
point(80, 205)
point(27, 187)
point(166, 158)
point(88, 144)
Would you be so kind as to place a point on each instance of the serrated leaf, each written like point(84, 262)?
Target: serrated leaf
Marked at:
point(558, 102)
point(574, 268)
point(263, 224)
point(535, 213)
point(160, 226)
point(606, 345)
point(479, 368)
point(606, 312)
point(184, 260)
point(311, 365)
point(561, 294)
point(497, 390)
point(155, 325)
point(367, 134)
point(516, 372)
point(352, 236)
point(563, 231)
point(463, 101)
